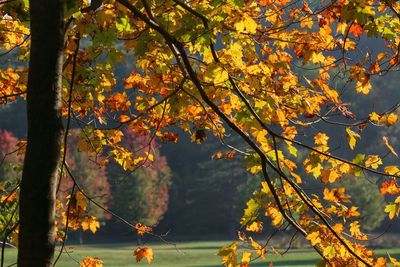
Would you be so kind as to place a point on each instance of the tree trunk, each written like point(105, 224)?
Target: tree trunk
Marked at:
point(38, 185)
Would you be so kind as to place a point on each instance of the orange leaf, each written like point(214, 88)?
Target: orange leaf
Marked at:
point(144, 252)
point(124, 118)
point(356, 29)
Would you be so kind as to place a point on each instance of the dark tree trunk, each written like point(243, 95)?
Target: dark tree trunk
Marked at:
point(38, 185)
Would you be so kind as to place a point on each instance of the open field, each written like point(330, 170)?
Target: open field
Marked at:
point(189, 254)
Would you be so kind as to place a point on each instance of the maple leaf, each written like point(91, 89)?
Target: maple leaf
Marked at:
point(374, 117)
point(229, 255)
point(329, 252)
point(246, 24)
point(392, 209)
point(142, 229)
point(356, 29)
point(90, 223)
point(352, 138)
point(260, 250)
point(388, 119)
point(395, 262)
point(321, 139)
point(91, 262)
point(373, 161)
point(390, 187)
point(314, 238)
point(143, 252)
point(256, 227)
point(124, 118)
point(246, 257)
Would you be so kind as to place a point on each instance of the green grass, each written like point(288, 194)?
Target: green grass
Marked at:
point(188, 254)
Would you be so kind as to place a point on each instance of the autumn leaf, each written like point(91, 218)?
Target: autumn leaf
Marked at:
point(390, 187)
point(229, 255)
point(124, 118)
point(256, 227)
point(388, 119)
point(352, 138)
point(90, 223)
point(321, 139)
point(260, 250)
point(374, 117)
point(314, 238)
point(143, 252)
point(395, 262)
point(373, 161)
point(392, 210)
point(142, 229)
point(329, 252)
point(91, 262)
point(246, 257)
point(356, 29)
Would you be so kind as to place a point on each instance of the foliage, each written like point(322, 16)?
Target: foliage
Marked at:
point(10, 175)
point(266, 70)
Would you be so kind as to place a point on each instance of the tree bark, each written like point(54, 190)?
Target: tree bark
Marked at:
point(39, 179)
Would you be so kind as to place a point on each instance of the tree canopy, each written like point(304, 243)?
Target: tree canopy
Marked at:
point(273, 73)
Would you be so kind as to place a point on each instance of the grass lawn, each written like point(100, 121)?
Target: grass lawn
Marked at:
point(189, 254)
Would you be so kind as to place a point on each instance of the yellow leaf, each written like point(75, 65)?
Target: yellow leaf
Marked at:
point(395, 262)
point(246, 257)
point(275, 214)
point(216, 74)
point(355, 229)
point(143, 252)
point(321, 139)
point(363, 87)
point(292, 150)
point(380, 262)
point(260, 250)
point(389, 119)
point(142, 229)
point(330, 176)
point(373, 161)
point(307, 22)
point(247, 24)
point(341, 27)
point(317, 57)
point(391, 170)
point(329, 252)
point(314, 238)
point(91, 262)
point(124, 118)
point(90, 223)
point(374, 117)
point(229, 255)
point(351, 137)
point(81, 200)
point(255, 227)
point(392, 209)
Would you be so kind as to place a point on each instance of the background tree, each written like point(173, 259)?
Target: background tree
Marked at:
point(368, 200)
point(10, 177)
point(142, 196)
